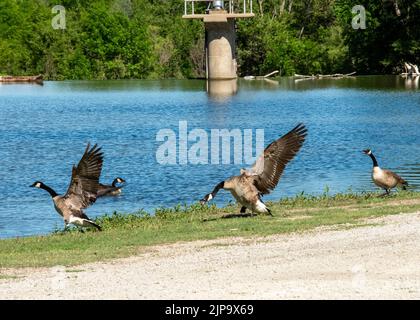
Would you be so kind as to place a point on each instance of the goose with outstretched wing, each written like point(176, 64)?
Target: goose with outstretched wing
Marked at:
point(82, 191)
point(263, 177)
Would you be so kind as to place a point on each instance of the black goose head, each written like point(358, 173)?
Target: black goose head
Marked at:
point(118, 180)
point(37, 184)
point(41, 185)
point(367, 151)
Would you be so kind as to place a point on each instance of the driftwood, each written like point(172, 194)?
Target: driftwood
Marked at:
point(321, 76)
point(271, 73)
point(261, 77)
point(24, 79)
point(410, 70)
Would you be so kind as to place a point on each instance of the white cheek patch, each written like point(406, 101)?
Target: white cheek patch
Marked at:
point(210, 197)
point(370, 152)
point(38, 185)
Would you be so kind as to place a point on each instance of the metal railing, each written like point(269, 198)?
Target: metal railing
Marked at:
point(231, 6)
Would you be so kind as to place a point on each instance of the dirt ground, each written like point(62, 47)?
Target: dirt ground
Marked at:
point(380, 260)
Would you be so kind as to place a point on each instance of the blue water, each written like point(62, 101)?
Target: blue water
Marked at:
point(44, 130)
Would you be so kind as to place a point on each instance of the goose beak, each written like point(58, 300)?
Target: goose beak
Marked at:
point(206, 199)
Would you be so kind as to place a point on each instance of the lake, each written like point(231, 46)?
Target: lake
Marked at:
point(44, 131)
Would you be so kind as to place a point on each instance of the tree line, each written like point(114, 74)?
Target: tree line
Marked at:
point(126, 39)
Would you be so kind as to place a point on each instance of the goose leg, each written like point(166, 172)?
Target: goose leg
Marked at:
point(243, 209)
point(386, 193)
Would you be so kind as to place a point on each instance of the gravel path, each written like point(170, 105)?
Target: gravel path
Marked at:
point(380, 261)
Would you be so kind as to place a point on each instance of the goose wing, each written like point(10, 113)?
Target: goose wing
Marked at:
point(271, 163)
point(395, 176)
point(85, 178)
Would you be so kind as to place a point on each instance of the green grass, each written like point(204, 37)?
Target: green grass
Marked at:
point(129, 234)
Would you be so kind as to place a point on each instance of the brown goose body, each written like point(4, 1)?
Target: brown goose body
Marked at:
point(246, 193)
point(112, 189)
point(82, 189)
point(72, 215)
point(107, 190)
point(385, 179)
point(264, 176)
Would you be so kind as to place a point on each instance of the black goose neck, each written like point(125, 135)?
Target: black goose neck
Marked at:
point(49, 190)
point(221, 185)
point(375, 162)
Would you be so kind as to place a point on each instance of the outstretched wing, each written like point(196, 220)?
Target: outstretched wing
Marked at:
point(85, 178)
point(271, 163)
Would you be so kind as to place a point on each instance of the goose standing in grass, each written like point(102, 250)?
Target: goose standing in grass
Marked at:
point(263, 177)
point(82, 190)
point(111, 190)
point(385, 179)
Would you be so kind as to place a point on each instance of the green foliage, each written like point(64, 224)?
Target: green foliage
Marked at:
point(392, 34)
point(303, 37)
point(124, 39)
point(113, 39)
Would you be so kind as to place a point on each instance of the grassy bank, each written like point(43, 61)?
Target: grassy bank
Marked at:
point(126, 235)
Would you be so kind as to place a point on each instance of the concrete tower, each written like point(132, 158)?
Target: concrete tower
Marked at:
point(219, 21)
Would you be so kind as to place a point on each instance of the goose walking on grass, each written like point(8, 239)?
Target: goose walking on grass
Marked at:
point(82, 191)
point(385, 179)
point(263, 177)
point(114, 189)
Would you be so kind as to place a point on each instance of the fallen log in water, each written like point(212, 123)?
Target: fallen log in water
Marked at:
point(410, 70)
point(321, 76)
point(24, 79)
point(271, 73)
point(261, 77)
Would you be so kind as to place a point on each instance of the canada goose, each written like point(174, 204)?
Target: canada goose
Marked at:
point(385, 179)
point(110, 190)
point(82, 189)
point(263, 177)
